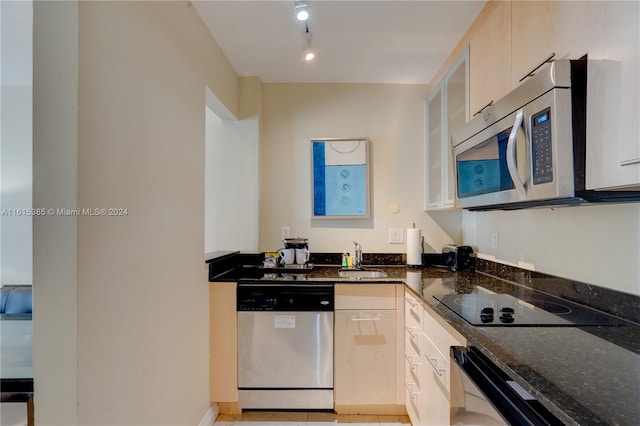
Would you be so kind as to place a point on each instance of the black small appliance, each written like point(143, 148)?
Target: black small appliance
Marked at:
point(458, 258)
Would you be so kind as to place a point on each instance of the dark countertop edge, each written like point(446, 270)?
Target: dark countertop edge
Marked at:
point(14, 387)
point(216, 256)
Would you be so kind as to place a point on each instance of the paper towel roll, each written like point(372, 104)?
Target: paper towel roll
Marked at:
point(414, 246)
point(414, 280)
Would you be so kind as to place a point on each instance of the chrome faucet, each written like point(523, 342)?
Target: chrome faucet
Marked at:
point(357, 260)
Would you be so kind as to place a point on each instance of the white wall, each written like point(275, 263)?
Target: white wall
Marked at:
point(16, 241)
point(135, 139)
point(231, 176)
point(392, 117)
point(16, 251)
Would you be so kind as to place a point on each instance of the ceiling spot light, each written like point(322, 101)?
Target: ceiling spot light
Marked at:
point(309, 55)
point(307, 52)
point(302, 11)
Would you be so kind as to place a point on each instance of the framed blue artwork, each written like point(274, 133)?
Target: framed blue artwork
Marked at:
point(340, 169)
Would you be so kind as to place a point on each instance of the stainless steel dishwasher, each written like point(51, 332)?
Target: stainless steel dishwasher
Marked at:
point(285, 346)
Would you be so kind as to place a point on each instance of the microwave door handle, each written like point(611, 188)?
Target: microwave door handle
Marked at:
point(512, 167)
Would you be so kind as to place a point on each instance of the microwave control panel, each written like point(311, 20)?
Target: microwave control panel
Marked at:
point(541, 151)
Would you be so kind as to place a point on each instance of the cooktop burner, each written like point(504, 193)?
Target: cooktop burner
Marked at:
point(538, 310)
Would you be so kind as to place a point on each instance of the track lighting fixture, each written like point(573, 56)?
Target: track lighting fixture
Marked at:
point(307, 52)
point(302, 10)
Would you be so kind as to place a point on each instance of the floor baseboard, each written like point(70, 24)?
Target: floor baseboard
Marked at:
point(210, 416)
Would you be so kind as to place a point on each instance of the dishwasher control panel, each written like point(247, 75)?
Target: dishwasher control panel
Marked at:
point(272, 297)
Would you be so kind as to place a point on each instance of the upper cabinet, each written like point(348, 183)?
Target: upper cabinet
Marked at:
point(543, 28)
point(613, 104)
point(435, 106)
point(456, 93)
point(510, 39)
point(608, 32)
point(446, 110)
point(490, 57)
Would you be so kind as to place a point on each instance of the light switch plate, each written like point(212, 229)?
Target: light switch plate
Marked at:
point(396, 236)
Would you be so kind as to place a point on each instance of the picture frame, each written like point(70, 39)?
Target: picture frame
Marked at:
point(340, 178)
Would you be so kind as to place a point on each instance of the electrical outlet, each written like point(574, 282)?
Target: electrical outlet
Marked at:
point(396, 236)
point(285, 232)
point(494, 240)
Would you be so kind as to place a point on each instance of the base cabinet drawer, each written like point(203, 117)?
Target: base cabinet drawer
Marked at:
point(437, 365)
point(427, 366)
point(442, 338)
point(413, 399)
point(426, 402)
point(413, 310)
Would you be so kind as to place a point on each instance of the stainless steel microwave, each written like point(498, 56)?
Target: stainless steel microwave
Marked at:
point(529, 148)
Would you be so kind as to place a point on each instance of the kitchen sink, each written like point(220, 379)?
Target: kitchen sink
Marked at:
point(361, 273)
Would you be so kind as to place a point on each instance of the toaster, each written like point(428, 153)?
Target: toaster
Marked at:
point(458, 258)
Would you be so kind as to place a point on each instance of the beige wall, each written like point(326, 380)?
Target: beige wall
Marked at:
point(141, 286)
point(598, 244)
point(55, 158)
point(392, 117)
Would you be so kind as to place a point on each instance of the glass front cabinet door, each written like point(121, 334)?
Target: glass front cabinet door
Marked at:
point(447, 108)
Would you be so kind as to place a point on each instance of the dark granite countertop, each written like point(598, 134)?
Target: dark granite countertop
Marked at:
point(584, 375)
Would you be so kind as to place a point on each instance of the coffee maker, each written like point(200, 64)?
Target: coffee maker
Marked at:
point(296, 243)
point(295, 252)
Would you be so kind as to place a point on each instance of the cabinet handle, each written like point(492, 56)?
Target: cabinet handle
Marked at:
point(366, 319)
point(439, 371)
point(530, 73)
point(412, 302)
point(410, 331)
point(483, 108)
point(408, 357)
point(412, 394)
point(630, 162)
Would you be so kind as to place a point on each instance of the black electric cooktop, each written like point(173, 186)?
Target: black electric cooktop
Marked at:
point(537, 310)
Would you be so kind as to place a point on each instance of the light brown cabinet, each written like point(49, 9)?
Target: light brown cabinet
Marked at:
point(365, 357)
point(533, 36)
point(223, 364)
point(490, 57)
point(366, 349)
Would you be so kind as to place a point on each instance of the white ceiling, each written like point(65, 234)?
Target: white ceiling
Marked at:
point(359, 41)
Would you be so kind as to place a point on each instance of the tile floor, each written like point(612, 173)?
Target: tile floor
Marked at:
point(277, 418)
